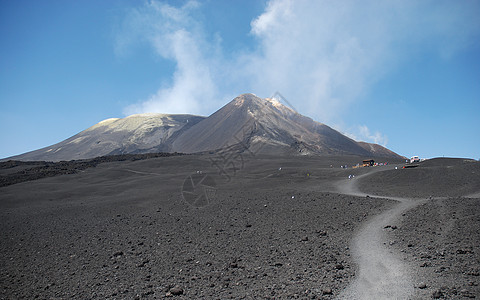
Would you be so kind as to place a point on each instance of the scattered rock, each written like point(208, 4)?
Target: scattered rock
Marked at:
point(322, 233)
point(474, 273)
point(118, 253)
point(464, 251)
point(392, 227)
point(466, 293)
point(425, 264)
point(437, 294)
point(197, 252)
point(278, 264)
point(327, 291)
point(149, 292)
point(176, 290)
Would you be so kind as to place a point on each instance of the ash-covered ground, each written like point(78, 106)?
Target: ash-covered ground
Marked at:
point(212, 227)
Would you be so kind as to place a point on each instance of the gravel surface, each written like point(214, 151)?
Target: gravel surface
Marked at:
point(13, 171)
point(273, 229)
point(442, 240)
point(439, 177)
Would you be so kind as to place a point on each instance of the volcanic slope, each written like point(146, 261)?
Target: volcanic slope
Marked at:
point(278, 228)
point(141, 133)
point(123, 230)
point(247, 123)
point(426, 246)
point(267, 126)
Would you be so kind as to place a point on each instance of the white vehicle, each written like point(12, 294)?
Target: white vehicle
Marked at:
point(414, 159)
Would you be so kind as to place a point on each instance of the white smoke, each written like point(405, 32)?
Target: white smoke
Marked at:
point(174, 35)
point(321, 55)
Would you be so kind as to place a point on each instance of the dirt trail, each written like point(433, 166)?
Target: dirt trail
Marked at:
point(381, 274)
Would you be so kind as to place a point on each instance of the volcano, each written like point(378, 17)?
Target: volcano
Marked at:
point(266, 125)
point(247, 123)
point(141, 133)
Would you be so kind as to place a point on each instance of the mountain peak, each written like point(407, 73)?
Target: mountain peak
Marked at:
point(246, 99)
point(257, 106)
point(247, 123)
point(250, 122)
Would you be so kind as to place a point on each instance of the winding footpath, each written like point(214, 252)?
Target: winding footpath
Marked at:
point(381, 274)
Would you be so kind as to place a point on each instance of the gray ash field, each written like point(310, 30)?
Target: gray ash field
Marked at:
point(268, 228)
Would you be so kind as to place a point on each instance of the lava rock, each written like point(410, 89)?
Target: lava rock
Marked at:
point(176, 290)
point(437, 294)
point(327, 291)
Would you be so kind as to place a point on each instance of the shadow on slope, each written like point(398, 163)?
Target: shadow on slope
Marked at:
point(14, 171)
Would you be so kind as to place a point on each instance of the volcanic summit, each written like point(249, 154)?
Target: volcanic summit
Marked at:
point(247, 123)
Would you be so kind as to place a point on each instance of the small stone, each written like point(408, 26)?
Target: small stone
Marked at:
point(118, 253)
point(305, 238)
point(465, 293)
point(327, 291)
point(474, 273)
point(422, 285)
point(392, 227)
point(437, 294)
point(233, 265)
point(464, 251)
point(278, 264)
point(425, 264)
point(176, 291)
point(322, 233)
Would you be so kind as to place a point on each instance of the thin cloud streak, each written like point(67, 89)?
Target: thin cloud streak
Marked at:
point(363, 133)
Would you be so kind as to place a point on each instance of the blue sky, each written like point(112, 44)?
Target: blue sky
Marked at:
point(404, 74)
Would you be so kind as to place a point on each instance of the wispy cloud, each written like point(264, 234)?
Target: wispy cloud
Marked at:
point(174, 35)
point(363, 133)
point(322, 55)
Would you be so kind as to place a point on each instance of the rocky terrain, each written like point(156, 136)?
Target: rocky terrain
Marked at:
point(441, 236)
point(14, 171)
point(269, 227)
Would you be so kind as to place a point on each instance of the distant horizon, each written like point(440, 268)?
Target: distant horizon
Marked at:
point(403, 75)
